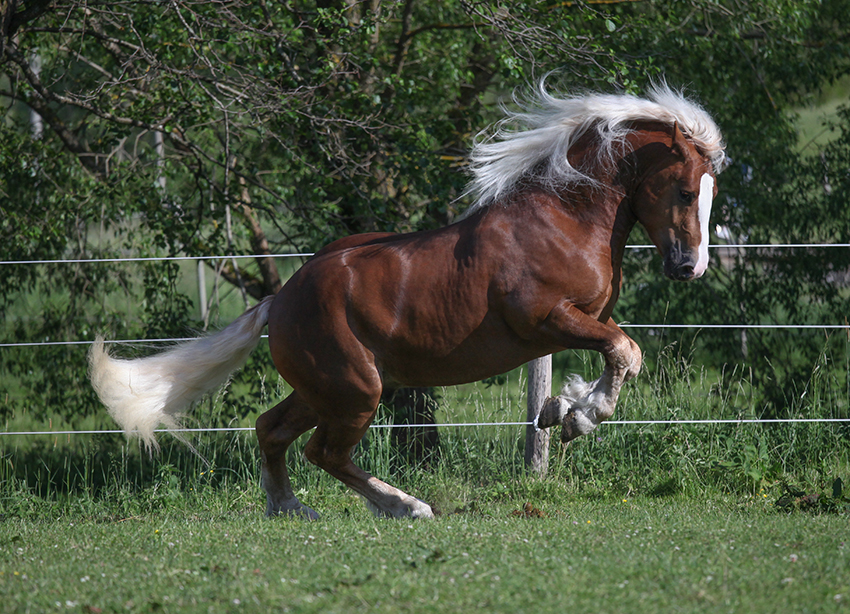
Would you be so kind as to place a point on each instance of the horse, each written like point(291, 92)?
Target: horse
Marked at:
point(534, 267)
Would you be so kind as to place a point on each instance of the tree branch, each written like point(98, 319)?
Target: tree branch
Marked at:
point(34, 10)
point(38, 103)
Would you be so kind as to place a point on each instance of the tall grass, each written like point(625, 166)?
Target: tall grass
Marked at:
point(742, 458)
point(109, 473)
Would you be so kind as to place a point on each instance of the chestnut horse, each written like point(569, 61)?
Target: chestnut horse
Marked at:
point(532, 269)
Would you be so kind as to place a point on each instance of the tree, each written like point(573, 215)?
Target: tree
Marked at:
point(242, 127)
point(324, 119)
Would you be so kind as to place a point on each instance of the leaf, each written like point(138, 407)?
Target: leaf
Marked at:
point(837, 488)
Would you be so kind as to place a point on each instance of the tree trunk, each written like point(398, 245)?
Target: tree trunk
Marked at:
point(418, 445)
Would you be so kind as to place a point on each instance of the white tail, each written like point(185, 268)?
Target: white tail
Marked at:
point(144, 393)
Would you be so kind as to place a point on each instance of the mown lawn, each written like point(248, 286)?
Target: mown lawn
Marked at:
point(580, 553)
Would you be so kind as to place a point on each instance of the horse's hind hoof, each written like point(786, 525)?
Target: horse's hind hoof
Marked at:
point(421, 510)
point(552, 413)
point(290, 509)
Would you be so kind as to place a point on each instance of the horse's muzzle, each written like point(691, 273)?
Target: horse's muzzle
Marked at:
point(680, 266)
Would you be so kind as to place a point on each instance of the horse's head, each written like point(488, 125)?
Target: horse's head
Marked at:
point(673, 202)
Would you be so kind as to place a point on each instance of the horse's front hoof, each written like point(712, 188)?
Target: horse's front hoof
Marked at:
point(569, 428)
point(575, 424)
point(552, 412)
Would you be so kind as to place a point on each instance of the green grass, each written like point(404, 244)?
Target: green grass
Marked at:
point(623, 459)
point(670, 518)
point(588, 553)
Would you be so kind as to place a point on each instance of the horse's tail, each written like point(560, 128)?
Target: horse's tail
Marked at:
point(144, 393)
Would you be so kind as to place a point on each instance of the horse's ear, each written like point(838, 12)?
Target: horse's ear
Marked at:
point(679, 144)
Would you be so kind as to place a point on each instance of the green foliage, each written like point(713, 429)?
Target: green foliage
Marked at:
point(836, 501)
point(208, 128)
point(751, 70)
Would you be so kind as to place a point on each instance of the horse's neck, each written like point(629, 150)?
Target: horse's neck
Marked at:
point(624, 221)
point(604, 206)
point(600, 210)
point(605, 201)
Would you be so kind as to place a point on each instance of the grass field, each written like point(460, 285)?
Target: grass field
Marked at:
point(587, 553)
point(649, 518)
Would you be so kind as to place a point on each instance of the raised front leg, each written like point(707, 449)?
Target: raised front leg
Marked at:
point(582, 406)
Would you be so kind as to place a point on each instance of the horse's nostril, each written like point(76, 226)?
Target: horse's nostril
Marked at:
point(681, 271)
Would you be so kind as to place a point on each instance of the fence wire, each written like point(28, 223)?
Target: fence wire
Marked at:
point(308, 254)
point(623, 325)
point(845, 326)
point(237, 429)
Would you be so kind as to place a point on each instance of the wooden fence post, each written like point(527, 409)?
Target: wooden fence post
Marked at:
point(539, 389)
point(202, 292)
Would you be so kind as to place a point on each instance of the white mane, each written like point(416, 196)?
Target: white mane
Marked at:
point(536, 141)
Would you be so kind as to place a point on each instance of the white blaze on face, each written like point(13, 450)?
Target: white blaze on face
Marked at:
point(706, 195)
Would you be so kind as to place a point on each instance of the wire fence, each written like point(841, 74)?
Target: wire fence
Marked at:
point(621, 325)
point(308, 254)
point(237, 429)
point(48, 343)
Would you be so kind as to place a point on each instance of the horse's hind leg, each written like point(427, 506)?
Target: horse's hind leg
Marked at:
point(330, 448)
point(276, 430)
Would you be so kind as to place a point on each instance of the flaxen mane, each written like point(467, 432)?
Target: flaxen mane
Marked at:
point(534, 143)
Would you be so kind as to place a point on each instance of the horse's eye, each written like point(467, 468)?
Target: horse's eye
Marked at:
point(685, 196)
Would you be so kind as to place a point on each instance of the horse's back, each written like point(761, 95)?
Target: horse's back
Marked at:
point(394, 301)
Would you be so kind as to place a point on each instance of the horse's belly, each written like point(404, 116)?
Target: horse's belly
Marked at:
point(478, 357)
